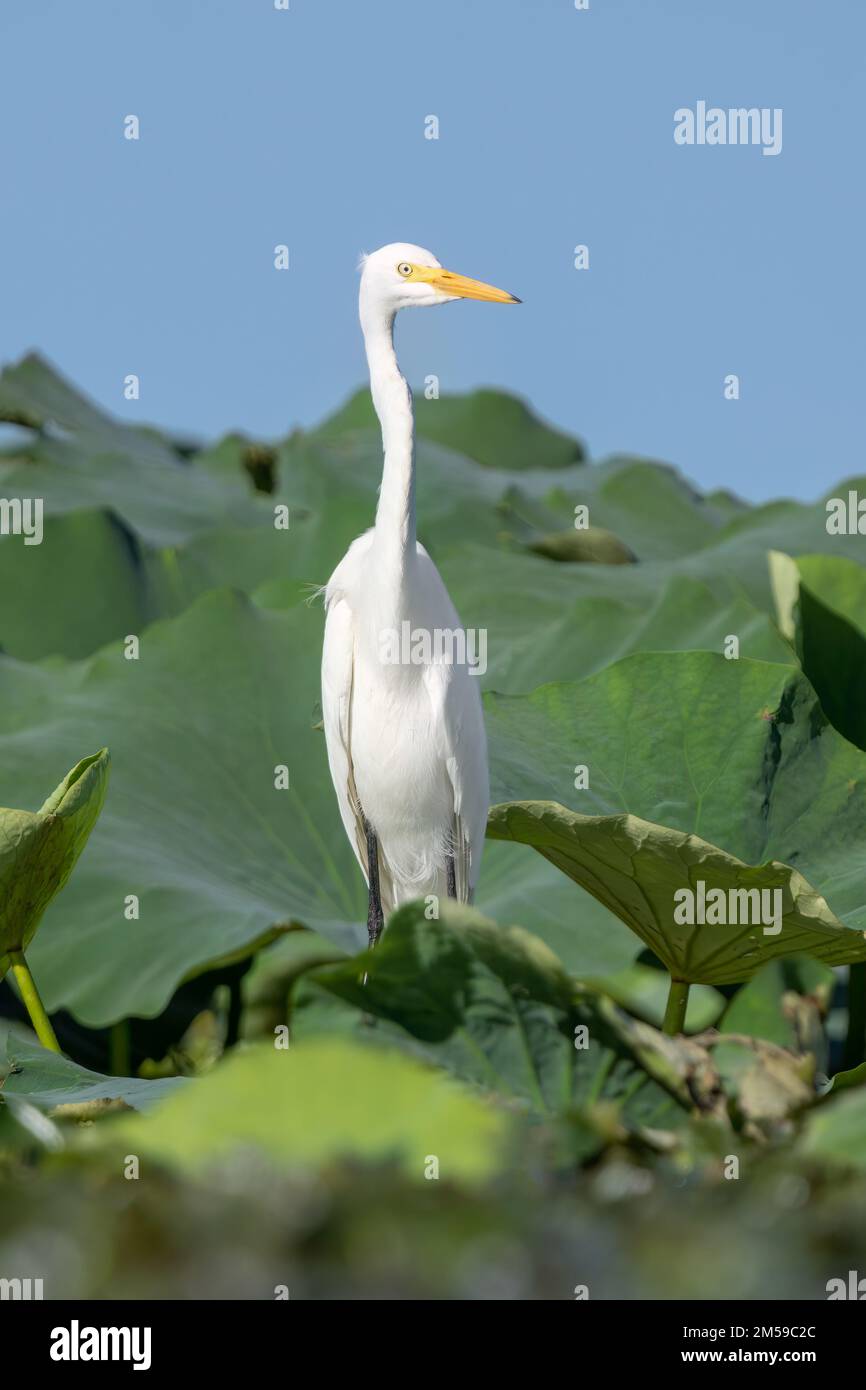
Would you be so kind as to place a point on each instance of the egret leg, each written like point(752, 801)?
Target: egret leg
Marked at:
point(375, 919)
point(451, 876)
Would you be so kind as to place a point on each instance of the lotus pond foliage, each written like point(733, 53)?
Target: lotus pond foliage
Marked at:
point(674, 703)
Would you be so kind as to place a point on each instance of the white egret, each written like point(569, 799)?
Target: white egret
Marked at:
point(406, 743)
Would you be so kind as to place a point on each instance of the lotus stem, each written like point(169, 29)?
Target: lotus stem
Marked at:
point(35, 1008)
point(675, 1013)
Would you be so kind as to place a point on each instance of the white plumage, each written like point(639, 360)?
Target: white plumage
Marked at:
point(406, 743)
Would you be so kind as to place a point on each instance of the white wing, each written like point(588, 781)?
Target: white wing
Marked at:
point(338, 652)
point(337, 655)
point(458, 715)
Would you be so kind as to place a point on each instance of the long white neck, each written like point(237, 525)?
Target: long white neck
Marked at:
point(395, 514)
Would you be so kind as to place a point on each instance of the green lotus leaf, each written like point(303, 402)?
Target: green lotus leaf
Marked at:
point(636, 869)
point(738, 753)
point(45, 1079)
point(821, 606)
point(849, 1080)
point(491, 427)
point(81, 587)
point(548, 622)
point(87, 460)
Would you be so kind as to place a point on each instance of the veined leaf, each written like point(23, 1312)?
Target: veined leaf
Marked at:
point(636, 869)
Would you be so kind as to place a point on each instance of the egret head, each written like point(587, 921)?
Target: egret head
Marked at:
point(401, 276)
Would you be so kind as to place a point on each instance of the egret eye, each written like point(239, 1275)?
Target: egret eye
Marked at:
point(404, 269)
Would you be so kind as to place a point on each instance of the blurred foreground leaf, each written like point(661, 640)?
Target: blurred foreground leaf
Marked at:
point(319, 1102)
point(836, 1131)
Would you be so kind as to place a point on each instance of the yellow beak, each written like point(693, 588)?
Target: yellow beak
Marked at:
point(450, 283)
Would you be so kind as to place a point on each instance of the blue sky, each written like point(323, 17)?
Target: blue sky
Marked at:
point(306, 127)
